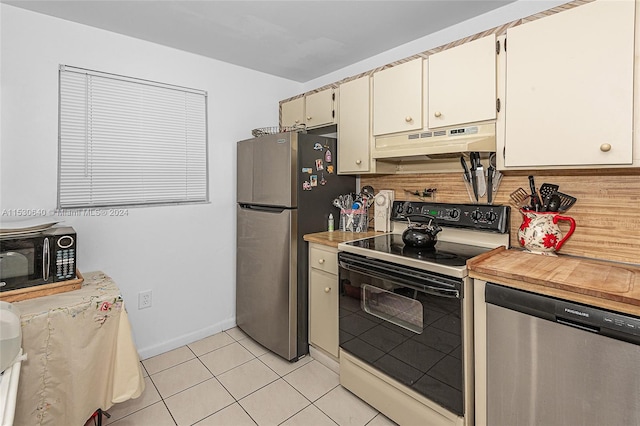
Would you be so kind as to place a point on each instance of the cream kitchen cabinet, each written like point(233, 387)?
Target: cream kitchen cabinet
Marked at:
point(292, 113)
point(320, 108)
point(323, 298)
point(462, 84)
point(314, 110)
point(354, 127)
point(569, 88)
point(397, 98)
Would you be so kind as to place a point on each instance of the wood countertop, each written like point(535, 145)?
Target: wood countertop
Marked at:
point(334, 238)
point(608, 285)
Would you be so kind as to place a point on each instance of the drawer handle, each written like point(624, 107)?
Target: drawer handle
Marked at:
point(605, 147)
point(437, 113)
point(327, 289)
point(358, 162)
point(321, 261)
point(408, 119)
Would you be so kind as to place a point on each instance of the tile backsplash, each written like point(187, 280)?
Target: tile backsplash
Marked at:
point(606, 213)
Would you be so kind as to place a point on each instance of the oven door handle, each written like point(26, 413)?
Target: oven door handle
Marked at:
point(451, 293)
point(442, 292)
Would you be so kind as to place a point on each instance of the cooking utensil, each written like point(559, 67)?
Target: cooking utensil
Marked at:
point(553, 204)
point(422, 193)
point(546, 189)
point(474, 177)
point(495, 176)
point(467, 174)
point(520, 198)
point(482, 186)
point(368, 191)
point(491, 173)
point(536, 205)
point(566, 201)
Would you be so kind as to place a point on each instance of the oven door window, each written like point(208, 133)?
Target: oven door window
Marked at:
point(392, 307)
point(413, 336)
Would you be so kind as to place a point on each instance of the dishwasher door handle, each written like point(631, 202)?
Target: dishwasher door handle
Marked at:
point(578, 325)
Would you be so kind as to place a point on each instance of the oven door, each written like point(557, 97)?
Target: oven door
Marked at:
point(406, 323)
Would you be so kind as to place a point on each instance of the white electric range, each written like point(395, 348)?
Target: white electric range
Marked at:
point(406, 313)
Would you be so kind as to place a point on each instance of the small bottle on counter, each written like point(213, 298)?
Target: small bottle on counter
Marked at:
point(330, 222)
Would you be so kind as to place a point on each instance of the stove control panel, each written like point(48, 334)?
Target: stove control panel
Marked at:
point(493, 218)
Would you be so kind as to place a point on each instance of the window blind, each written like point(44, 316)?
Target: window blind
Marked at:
point(127, 142)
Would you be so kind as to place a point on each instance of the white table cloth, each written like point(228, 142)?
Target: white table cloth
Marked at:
point(80, 354)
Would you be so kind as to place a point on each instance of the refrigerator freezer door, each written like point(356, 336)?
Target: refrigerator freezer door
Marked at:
point(266, 277)
point(267, 170)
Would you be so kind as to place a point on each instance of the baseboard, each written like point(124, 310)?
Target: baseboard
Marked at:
point(324, 359)
point(169, 345)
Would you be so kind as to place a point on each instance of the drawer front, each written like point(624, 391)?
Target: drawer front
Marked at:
point(324, 259)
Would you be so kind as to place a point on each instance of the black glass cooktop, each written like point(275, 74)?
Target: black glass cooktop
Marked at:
point(444, 253)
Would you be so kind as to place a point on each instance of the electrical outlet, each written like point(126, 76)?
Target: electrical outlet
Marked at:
point(144, 299)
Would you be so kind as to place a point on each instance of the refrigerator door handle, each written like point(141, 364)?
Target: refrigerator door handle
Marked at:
point(271, 209)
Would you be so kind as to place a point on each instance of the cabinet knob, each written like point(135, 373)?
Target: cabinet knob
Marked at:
point(605, 147)
point(437, 113)
point(297, 121)
point(408, 119)
point(308, 118)
point(358, 162)
point(327, 289)
point(321, 261)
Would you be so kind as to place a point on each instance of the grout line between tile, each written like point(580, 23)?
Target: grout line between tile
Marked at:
point(237, 401)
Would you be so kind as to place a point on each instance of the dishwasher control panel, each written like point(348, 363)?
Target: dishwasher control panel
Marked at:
point(596, 317)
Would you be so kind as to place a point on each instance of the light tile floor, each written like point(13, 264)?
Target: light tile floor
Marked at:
point(228, 379)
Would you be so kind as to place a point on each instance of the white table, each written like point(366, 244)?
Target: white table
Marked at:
point(80, 354)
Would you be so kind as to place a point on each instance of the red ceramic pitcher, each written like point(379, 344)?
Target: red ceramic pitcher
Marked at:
point(540, 233)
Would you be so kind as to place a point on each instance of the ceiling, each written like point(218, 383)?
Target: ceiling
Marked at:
point(297, 39)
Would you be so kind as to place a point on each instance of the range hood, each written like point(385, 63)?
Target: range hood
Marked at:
point(436, 144)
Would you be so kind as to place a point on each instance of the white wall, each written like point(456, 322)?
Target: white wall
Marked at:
point(508, 13)
point(184, 254)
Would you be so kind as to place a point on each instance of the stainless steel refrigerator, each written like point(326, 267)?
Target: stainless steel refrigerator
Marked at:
point(286, 185)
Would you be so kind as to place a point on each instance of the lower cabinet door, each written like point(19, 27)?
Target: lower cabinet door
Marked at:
point(323, 311)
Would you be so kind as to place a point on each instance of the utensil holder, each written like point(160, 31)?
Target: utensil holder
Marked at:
point(352, 220)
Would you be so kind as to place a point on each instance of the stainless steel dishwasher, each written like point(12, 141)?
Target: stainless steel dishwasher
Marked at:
point(553, 362)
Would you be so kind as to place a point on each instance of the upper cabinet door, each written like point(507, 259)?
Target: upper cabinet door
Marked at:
point(354, 126)
point(320, 108)
point(397, 98)
point(462, 84)
point(293, 113)
point(569, 87)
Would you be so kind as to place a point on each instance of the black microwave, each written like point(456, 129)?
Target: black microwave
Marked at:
point(37, 258)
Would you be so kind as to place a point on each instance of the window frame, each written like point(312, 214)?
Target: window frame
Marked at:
point(139, 197)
